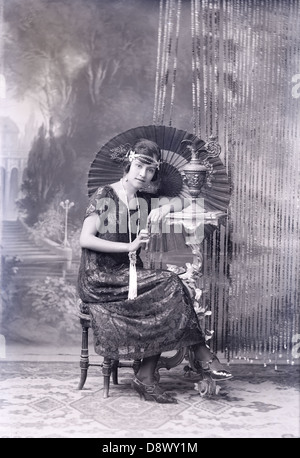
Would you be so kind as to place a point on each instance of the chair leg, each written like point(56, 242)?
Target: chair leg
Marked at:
point(106, 371)
point(114, 369)
point(84, 357)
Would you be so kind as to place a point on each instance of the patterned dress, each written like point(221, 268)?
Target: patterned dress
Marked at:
point(161, 318)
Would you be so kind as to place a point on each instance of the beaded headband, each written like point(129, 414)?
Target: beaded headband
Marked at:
point(149, 160)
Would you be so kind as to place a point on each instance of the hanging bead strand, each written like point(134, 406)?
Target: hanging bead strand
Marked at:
point(158, 63)
point(167, 59)
point(162, 66)
point(193, 66)
point(178, 13)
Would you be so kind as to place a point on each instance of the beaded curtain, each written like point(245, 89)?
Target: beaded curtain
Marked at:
point(245, 69)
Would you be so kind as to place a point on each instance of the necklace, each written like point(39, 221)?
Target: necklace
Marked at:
point(132, 290)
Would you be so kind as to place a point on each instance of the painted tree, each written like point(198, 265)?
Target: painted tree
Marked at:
point(45, 175)
point(89, 67)
point(75, 58)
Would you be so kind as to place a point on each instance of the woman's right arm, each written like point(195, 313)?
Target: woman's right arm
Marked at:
point(89, 240)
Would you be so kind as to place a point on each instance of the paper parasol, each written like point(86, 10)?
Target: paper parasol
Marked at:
point(107, 168)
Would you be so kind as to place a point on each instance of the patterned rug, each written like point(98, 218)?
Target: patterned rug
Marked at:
point(41, 400)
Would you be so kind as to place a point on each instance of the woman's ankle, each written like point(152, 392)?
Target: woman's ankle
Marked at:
point(202, 353)
point(146, 379)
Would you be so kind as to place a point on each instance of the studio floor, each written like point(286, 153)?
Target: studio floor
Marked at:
point(39, 399)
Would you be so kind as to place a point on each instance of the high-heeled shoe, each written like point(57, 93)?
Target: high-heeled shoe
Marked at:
point(152, 393)
point(205, 366)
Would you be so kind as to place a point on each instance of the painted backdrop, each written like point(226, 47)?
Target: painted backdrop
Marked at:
point(74, 74)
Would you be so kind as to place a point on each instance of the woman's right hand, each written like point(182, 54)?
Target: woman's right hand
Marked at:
point(140, 240)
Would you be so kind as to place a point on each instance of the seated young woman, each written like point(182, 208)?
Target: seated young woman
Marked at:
point(136, 313)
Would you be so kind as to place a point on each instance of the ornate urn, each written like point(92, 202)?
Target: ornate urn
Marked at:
point(194, 174)
point(198, 171)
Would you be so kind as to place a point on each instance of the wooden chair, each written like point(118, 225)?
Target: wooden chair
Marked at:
point(109, 366)
point(206, 385)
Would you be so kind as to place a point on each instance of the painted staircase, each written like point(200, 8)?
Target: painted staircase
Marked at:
point(35, 260)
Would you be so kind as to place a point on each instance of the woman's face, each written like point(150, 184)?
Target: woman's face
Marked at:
point(140, 174)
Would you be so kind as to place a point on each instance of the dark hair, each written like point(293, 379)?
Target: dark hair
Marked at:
point(147, 148)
